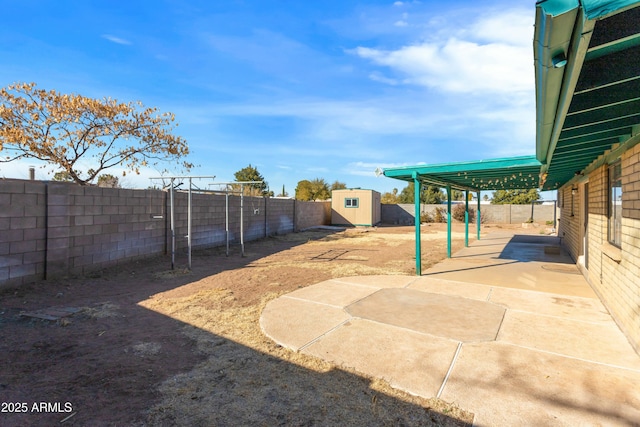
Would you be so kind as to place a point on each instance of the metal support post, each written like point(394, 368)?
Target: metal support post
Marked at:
point(448, 221)
point(416, 195)
point(173, 228)
point(242, 219)
point(189, 210)
point(466, 218)
point(478, 218)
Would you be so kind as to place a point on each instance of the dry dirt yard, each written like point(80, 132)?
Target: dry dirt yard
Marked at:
point(151, 346)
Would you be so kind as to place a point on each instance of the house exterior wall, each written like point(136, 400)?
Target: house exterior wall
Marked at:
point(368, 212)
point(614, 273)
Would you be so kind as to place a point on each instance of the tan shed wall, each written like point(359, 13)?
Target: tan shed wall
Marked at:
point(367, 213)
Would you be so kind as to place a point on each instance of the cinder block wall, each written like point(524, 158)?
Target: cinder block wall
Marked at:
point(52, 229)
point(309, 214)
point(22, 231)
point(614, 273)
point(402, 214)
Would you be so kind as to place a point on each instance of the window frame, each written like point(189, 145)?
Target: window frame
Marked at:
point(351, 205)
point(614, 210)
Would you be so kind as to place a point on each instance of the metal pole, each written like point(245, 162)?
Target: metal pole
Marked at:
point(189, 225)
point(416, 202)
point(226, 215)
point(466, 218)
point(173, 228)
point(478, 218)
point(448, 221)
point(242, 219)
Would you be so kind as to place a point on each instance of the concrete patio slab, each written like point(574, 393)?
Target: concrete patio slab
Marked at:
point(408, 360)
point(506, 385)
point(578, 308)
point(378, 282)
point(595, 342)
point(552, 354)
point(294, 323)
point(336, 293)
point(452, 317)
point(451, 287)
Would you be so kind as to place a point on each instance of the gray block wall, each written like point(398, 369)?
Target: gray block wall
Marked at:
point(403, 214)
point(53, 229)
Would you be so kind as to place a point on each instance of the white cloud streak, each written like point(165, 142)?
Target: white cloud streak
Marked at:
point(116, 40)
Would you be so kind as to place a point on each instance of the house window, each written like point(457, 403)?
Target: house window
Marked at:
point(351, 203)
point(615, 204)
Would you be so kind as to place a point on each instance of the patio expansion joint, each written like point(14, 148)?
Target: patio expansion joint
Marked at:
point(319, 337)
point(609, 365)
point(448, 374)
point(313, 301)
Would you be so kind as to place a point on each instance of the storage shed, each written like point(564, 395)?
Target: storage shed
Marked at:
point(355, 206)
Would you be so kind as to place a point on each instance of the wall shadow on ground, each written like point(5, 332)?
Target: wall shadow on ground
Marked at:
point(109, 360)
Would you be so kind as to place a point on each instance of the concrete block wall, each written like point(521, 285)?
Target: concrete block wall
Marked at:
point(402, 214)
point(309, 214)
point(53, 229)
point(91, 227)
point(22, 231)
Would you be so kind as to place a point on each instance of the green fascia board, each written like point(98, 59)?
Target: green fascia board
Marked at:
point(595, 9)
point(554, 30)
point(466, 166)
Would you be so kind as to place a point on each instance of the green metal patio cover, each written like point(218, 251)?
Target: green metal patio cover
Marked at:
point(587, 69)
point(493, 174)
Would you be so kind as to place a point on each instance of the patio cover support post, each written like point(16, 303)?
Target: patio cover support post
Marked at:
point(478, 218)
point(448, 221)
point(242, 220)
point(173, 227)
point(466, 218)
point(189, 225)
point(416, 202)
point(226, 216)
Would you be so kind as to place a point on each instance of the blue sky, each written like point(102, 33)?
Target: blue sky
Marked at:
point(300, 90)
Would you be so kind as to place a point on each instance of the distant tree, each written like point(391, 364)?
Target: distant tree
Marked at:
point(316, 189)
point(251, 173)
point(108, 181)
point(430, 195)
point(62, 176)
point(485, 197)
point(69, 130)
point(284, 193)
point(515, 197)
point(337, 185)
point(457, 194)
point(390, 198)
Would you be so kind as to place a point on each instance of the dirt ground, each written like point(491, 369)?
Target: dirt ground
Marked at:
point(151, 346)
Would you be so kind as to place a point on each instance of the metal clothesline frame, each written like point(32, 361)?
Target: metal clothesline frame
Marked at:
point(226, 209)
point(172, 186)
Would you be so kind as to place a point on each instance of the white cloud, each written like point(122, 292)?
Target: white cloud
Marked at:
point(115, 39)
point(491, 55)
point(398, 3)
point(400, 23)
